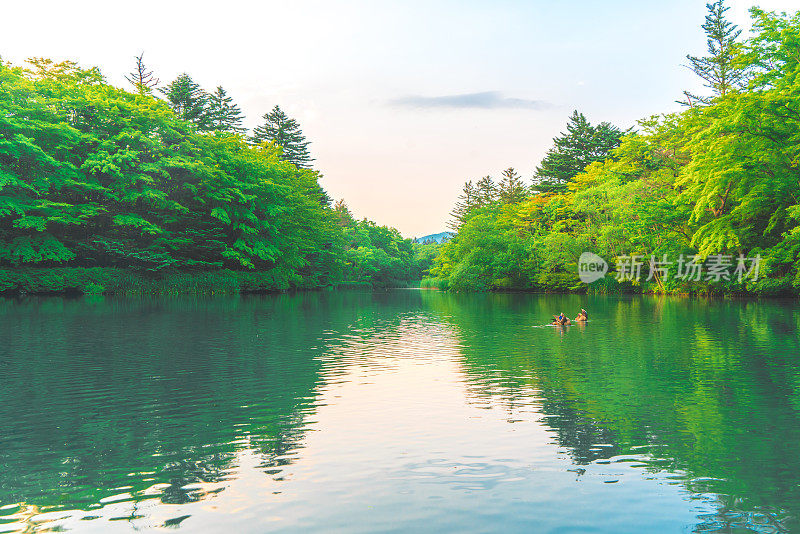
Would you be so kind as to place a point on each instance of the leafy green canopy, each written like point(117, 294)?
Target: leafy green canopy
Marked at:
point(376, 255)
point(721, 178)
point(94, 176)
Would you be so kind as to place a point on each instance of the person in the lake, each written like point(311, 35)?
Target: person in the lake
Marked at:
point(582, 317)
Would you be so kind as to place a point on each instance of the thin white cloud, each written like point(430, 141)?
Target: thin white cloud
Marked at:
point(481, 100)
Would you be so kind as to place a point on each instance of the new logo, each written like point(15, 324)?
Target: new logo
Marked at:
point(591, 267)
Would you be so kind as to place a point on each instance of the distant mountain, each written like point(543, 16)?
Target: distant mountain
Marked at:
point(441, 237)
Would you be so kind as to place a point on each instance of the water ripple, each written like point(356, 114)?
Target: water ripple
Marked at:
point(399, 411)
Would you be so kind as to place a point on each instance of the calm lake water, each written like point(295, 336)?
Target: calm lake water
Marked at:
point(404, 411)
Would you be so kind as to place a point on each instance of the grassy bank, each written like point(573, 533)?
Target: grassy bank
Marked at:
point(609, 285)
point(113, 281)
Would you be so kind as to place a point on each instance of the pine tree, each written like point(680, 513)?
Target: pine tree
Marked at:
point(142, 79)
point(486, 191)
point(718, 68)
point(511, 189)
point(285, 132)
point(581, 145)
point(222, 115)
point(187, 100)
point(467, 200)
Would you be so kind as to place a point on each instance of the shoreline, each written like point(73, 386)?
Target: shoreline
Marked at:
point(76, 282)
point(115, 281)
point(698, 295)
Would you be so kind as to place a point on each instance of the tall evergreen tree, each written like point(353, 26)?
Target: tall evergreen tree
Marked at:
point(188, 100)
point(718, 69)
point(142, 79)
point(285, 132)
point(572, 151)
point(486, 191)
point(222, 115)
point(511, 189)
point(467, 200)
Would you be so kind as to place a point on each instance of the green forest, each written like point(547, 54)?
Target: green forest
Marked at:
point(161, 190)
point(719, 179)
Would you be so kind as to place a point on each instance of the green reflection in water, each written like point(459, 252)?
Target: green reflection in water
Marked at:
point(111, 397)
point(710, 388)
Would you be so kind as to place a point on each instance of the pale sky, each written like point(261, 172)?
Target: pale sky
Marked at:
point(403, 101)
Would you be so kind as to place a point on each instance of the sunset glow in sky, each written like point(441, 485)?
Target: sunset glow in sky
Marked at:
point(402, 101)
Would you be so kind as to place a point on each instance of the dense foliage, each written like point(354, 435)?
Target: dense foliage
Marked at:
point(718, 179)
point(93, 176)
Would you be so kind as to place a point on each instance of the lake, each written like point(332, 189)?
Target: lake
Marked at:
point(400, 411)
